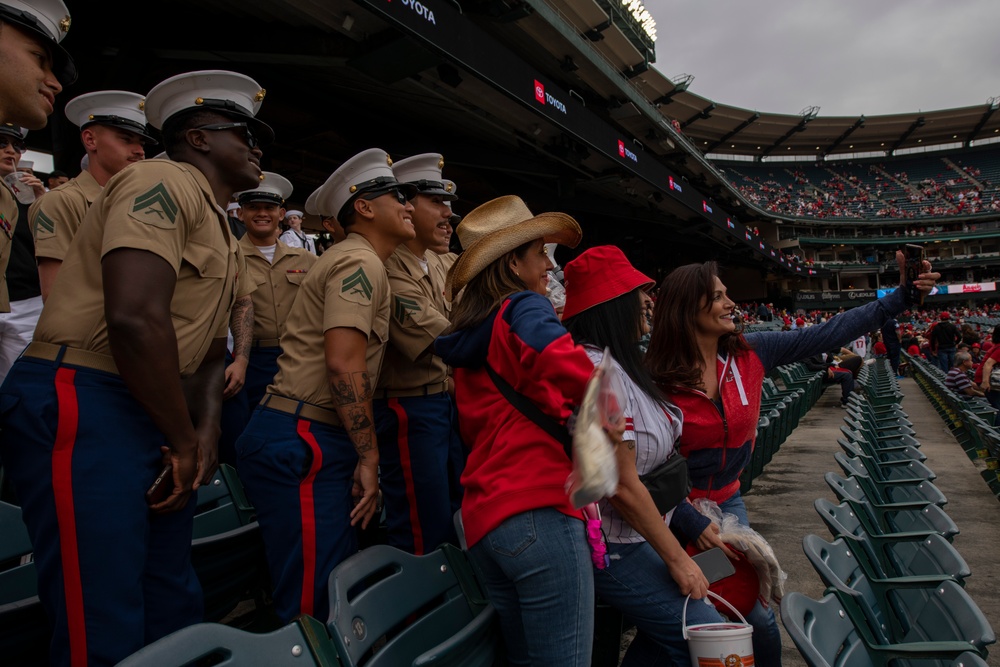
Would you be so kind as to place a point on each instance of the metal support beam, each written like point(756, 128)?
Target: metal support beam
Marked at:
point(919, 122)
point(860, 122)
point(701, 115)
point(732, 133)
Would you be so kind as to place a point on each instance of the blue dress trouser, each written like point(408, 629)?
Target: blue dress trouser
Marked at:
point(236, 411)
point(298, 474)
point(421, 458)
point(112, 576)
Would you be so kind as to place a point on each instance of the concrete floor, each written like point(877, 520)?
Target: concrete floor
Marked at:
point(780, 503)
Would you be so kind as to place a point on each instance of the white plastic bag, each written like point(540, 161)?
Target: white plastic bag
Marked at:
point(595, 469)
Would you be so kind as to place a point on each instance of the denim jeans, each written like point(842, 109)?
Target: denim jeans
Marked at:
point(638, 584)
point(537, 571)
point(946, 358)
point(766, 635)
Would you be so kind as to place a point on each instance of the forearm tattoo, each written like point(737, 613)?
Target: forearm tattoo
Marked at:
point(241, 324)
point(353, 392)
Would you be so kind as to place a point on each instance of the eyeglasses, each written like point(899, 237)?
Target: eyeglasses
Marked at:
point(248, 135)
point(18, 146)
point(401, 196)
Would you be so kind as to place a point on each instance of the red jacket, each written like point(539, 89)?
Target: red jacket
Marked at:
point(718, 443)
point(513, 465)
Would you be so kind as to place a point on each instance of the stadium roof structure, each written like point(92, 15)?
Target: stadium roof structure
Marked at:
point(720, 128)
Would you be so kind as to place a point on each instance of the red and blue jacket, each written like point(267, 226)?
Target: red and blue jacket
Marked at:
point(718, 437)
point(513, 465)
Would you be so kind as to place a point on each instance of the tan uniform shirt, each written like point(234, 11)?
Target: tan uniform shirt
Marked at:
point(56, 217)
point(419, 315)
point(277, 283)
point(346, 287)
point(166, 208)
point(448, 259)
point(8, 219)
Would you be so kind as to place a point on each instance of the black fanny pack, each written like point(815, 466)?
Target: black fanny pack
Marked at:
point(669, 484)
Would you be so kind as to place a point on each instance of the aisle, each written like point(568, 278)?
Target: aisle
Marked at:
point(780, 503)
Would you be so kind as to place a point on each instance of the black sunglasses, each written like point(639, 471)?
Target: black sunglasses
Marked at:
point(401, 196)
point(19, 146)
point(248, 134)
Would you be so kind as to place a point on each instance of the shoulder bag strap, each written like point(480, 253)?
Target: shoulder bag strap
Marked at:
point(524, 405)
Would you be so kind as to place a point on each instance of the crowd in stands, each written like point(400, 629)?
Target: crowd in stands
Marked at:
point(939, 187)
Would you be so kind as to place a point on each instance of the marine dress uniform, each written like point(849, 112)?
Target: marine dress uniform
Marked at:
point(56, 217)
point(81, 449)
point(420, 454)
point(295, 456)
point(277, 276)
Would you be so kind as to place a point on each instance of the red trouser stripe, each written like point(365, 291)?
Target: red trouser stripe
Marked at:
point(62, 488)
point(307, 508)
point(403, 438)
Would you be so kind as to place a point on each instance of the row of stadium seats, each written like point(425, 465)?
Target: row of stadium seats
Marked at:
point(970, 420)
point(862, 190)
point(895, 582)
point(388, 607)
point(780, 412)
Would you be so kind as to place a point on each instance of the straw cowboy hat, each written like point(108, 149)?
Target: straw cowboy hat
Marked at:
point(495, 228)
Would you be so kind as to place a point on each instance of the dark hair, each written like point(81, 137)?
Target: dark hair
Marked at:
point(58, 174)
point(617, 325)
point(673, 358)
point(487, 290)
point(996, 335)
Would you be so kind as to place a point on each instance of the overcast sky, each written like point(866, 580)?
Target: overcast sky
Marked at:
point(849, 57)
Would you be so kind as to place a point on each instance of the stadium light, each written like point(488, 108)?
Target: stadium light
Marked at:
point(994, 103)
point(810, 112)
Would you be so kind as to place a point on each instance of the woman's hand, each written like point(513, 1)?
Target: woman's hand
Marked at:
point(688, 577)
point(709, 538)
point(925, 281)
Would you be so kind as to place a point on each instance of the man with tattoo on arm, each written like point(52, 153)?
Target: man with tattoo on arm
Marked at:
point(309, 456)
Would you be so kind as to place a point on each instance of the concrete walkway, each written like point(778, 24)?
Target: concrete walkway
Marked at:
point(780, 503)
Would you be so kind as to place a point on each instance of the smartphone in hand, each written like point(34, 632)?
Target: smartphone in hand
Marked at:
point(714, 564)
point(914, 267)
point(162, 486)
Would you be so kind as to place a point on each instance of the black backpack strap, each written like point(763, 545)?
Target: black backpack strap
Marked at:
point(524, 405)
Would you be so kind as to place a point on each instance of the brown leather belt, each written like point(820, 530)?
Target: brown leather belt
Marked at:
point(300, 409)
point(426, 390)
point(71, 356)
point(266, 342)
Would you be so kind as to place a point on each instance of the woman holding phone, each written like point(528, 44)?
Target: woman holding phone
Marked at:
point(706, 366)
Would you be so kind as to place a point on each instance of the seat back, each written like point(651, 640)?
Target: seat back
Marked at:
point(413, 603)
point(823, 633)
point(944, 612)
point(839, 569)
point(301, 643)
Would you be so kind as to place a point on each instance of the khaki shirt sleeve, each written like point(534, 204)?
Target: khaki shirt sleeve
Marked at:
point(55, 219)
point(415, 321)
point(154, 210)
point(350, 287)
point(245, 284)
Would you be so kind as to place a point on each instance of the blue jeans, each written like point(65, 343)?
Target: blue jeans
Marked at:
point(638, 583)
point(946, 358)
point(538, 575)
point(766, 635)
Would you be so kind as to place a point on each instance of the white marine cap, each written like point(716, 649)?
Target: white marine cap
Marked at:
point(26, 164)
point(452, 188)
point(274, 189)
point(232, 206)
point(368, 172)
point(424, 171)
point(117, 108)
point(229, 93)
point(297, 212)
point(48, 19)
point(12, 130)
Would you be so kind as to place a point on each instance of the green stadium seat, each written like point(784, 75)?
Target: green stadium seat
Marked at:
point(302, 643)
point(411, 610)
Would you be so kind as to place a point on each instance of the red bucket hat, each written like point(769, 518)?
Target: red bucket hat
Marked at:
point(599, 275)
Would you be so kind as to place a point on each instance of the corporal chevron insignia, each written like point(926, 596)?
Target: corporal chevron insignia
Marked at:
point(155, 207)
point(356, 287)
point(405, 309)
point(44, 226)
